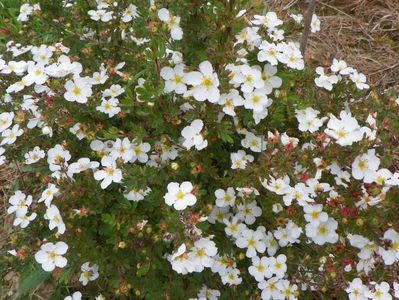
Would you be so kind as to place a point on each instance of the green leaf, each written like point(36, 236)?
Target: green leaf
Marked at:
point(30, 280)
point(143, 269)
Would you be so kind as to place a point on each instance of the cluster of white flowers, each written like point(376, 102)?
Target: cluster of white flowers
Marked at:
point(19, 204)
point(249, 86)
point(358, 290)
point(340, 69)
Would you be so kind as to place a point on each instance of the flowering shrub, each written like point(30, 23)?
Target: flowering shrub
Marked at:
point(184, 149)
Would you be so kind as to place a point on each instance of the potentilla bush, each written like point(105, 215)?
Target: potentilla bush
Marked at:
point(186, 150)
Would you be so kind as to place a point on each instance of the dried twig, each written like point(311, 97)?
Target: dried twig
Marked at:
point(306, 30)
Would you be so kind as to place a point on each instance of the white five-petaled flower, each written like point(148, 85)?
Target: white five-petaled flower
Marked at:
point(78, 89)
point(253, 241)
point(225, 197)
point(50, 256)
point(308, 120)
point(323, 232)
point(180, 195)
point(240, 159)
point(89, 273)
point(48, 194)
point(173, 23)
point(205, 83)
point(10, 135)
point(110, 173)
point(193, 137)
point(359, 79)
point(345, 130)
point(325, 81)
point(174, 79)
point(55, 220)
point(6, 120)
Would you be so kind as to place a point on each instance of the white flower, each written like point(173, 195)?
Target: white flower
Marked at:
point(270, 289)
point(231, 277)
point(278, 266)
point(230, 101)
point(109, 107)
point(100, 14)
point(271, 81)
point(129, 13)
point(257, 101)
point(19, 203)
point(345, 130)
point(270, 20)
point(287, 235)
point(22, 219)
point(234, 226)
point(253, 241)
point(297, 18)
point(253, 142)
point(6, 120)
point(50, 256)
point(249, 35)
point(208, 294)
point(225, 198)
point(367, 248)
point(53, 215)
point(299, 193)
point(180, 195)
point(140, 152)
point(219, 214)
point(114, 91)
point(315, 24)
point(74, 296)
point(390, 255)
point(78, 89)
point(36, 74)
point(268, 52)
point(34, 156)
point(204, 83)
point(201, 254)
point(174, 79)
point(340, 66)
point(290, 55)
point(365, 165)
point(240, 159)
point(89, 273)
point(359, 79)
point(260, 268)
point(109, 174)
point(314, 214)
point(324, 232)
point(10, 135)
point(193, 137)
point(137, 194)
point(173, 23)
point(250, 78)
point(325, 81)
point(48, 194)
point(381, 292)
point(357, 290)
point(248, 212)
point(278, 186)
point(308, 120)
point(82, 165)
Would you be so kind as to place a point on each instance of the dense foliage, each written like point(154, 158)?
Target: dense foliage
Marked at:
point(182, 149)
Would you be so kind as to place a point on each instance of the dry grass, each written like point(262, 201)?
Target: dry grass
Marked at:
point(365, 33)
